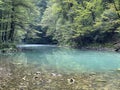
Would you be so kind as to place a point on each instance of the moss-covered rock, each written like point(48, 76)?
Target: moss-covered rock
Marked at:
point(8, 48)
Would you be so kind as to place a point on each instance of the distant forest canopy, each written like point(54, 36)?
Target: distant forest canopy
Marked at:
point(65, 22)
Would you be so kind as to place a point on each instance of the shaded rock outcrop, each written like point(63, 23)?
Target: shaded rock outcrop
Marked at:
point(117, 47)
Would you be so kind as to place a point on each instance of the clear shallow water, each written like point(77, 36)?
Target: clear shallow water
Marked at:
point(65, 59)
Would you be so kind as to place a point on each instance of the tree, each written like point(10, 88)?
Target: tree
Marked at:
point(15, 15)
point(81, 22)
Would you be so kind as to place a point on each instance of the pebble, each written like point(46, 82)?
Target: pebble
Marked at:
point(38, 72)
point(101, 80)
point(36, 78)
point(59, 75)
point(49, 81)
point(71, 81)
point(53, 74)
point(24, 78)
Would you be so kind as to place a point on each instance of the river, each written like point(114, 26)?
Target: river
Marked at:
point(49, 67)
point(67, 60)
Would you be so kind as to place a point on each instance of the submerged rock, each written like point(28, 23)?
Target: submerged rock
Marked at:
point(4, 51)
point(36, 77)
point(24, 78)
point(101, 80)
point(38, 73)
point(59, 75)
point(49, 81)
point(118, 70)
point(54, 74)
point(22, 87)
point(71, 81)
point(17, 63)
point(92, 73)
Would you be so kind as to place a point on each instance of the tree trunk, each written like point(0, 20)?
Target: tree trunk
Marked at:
point(12, 27)
point(117, 9)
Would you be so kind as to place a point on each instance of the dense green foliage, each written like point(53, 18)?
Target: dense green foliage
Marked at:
point(15, 18)
point(82, 22)
point(66, 22)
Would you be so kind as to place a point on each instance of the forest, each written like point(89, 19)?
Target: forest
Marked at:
point(59, 44)
point(74, 23)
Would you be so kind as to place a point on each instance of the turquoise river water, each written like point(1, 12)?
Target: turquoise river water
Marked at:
point(64, 59)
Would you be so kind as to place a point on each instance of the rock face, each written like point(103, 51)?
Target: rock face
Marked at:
point(117, 47)
point(117, 50)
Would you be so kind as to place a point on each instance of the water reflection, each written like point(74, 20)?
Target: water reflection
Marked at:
point(64, 59)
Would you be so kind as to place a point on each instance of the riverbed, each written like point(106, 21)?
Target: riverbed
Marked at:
point(48, 67)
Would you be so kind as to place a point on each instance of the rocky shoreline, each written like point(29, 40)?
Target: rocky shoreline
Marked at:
point(98, 48)
point(112, 47)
